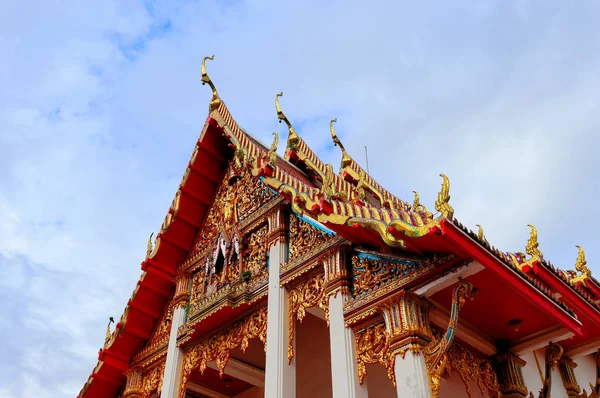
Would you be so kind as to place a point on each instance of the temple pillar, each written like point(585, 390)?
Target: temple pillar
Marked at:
point(508, 368)
point(174, 360)
point(344, 367)
point(344, 372)
point(280, 377)
point(407, 323)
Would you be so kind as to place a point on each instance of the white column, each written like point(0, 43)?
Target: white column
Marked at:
point(344, 372)
point(172, 377)
point(280, 378)
point(411, 376)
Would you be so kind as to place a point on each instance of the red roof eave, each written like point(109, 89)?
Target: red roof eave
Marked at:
point(485, 258)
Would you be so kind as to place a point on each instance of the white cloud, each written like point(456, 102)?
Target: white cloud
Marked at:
point(102, 104)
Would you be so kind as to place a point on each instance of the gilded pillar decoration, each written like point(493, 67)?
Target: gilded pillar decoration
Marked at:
point(133, 386)
point(336, 270)
point(509, 367)
point(219, 347)
point(373, 346)
point(276, 226)
point(406, 318)
point(472, 367)
point(436, 352)
point(182, 289)
point(141, 383)
point(307, 294)
point(566, 367)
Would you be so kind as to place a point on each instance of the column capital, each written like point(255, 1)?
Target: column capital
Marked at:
point(406, 317)
point(508, 368)
point(182, 289)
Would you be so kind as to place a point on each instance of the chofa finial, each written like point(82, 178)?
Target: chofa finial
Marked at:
point(532, 244)
point(580, 265)
point(346, 159)
point(442, 203)
point(215, 100)
point(293, 138)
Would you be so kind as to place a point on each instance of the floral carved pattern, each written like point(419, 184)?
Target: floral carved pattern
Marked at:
point(373, 346)
point(474, 368)
point(303, 237)
point(163, 329)
point(370, 273)
point(255, 256)
point(240, 195)
point(219, 347)
point(152, 380)
point(308, 294)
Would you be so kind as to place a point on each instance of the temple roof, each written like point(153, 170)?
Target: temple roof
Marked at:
point(350, 203)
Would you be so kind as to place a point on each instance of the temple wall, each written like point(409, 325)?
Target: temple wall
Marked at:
point(312, 356)
point(531, 374)
point(454, 387)
point(378, 384)
point(585, 372)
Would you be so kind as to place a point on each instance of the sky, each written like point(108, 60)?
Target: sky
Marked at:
point(101, 105)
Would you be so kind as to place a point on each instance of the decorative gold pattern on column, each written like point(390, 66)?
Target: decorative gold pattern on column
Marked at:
point(308, 294)
point(436, 353)
point(474, 368)
point(509, 369)
point(553, 354)
point(373, 346)
point(219, 347)
point(142, 383)
point(566, 366)
point(407, 322)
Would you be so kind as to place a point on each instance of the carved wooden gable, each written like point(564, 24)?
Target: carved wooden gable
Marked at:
point(231, 246)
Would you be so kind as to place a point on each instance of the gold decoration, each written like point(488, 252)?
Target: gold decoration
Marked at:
point(532, 244)
point(293, 138)
point(442, 203)
point(150, 247)
point(436, 352)
point(219, 347)
point(303, 237)
point(255, 259)
point(510, 374)
point(553, 354)
point(346, 159)
point(580, 265)
point(328, 187)
point(152, 380)
point(233, 201)
point(373, 346)
point(419, 208)
point(273, 150)
point(108, 337)
point(474, 368)
point(360, 186)
point(215, 100)
point(370, 273)
point(566, 366)
point(308, 294)
point(480, 235)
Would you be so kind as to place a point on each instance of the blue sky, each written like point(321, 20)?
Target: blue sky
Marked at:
point(101, 104)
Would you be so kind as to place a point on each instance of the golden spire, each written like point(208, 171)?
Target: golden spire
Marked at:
point(532, 244)
point(442, 203)
point(346, 159)
point(293, 138)
point(273, 150)
point(580, 264)
point(419, 208)
point(215, 100)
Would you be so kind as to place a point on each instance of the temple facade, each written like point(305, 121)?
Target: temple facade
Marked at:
point(279, 277)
